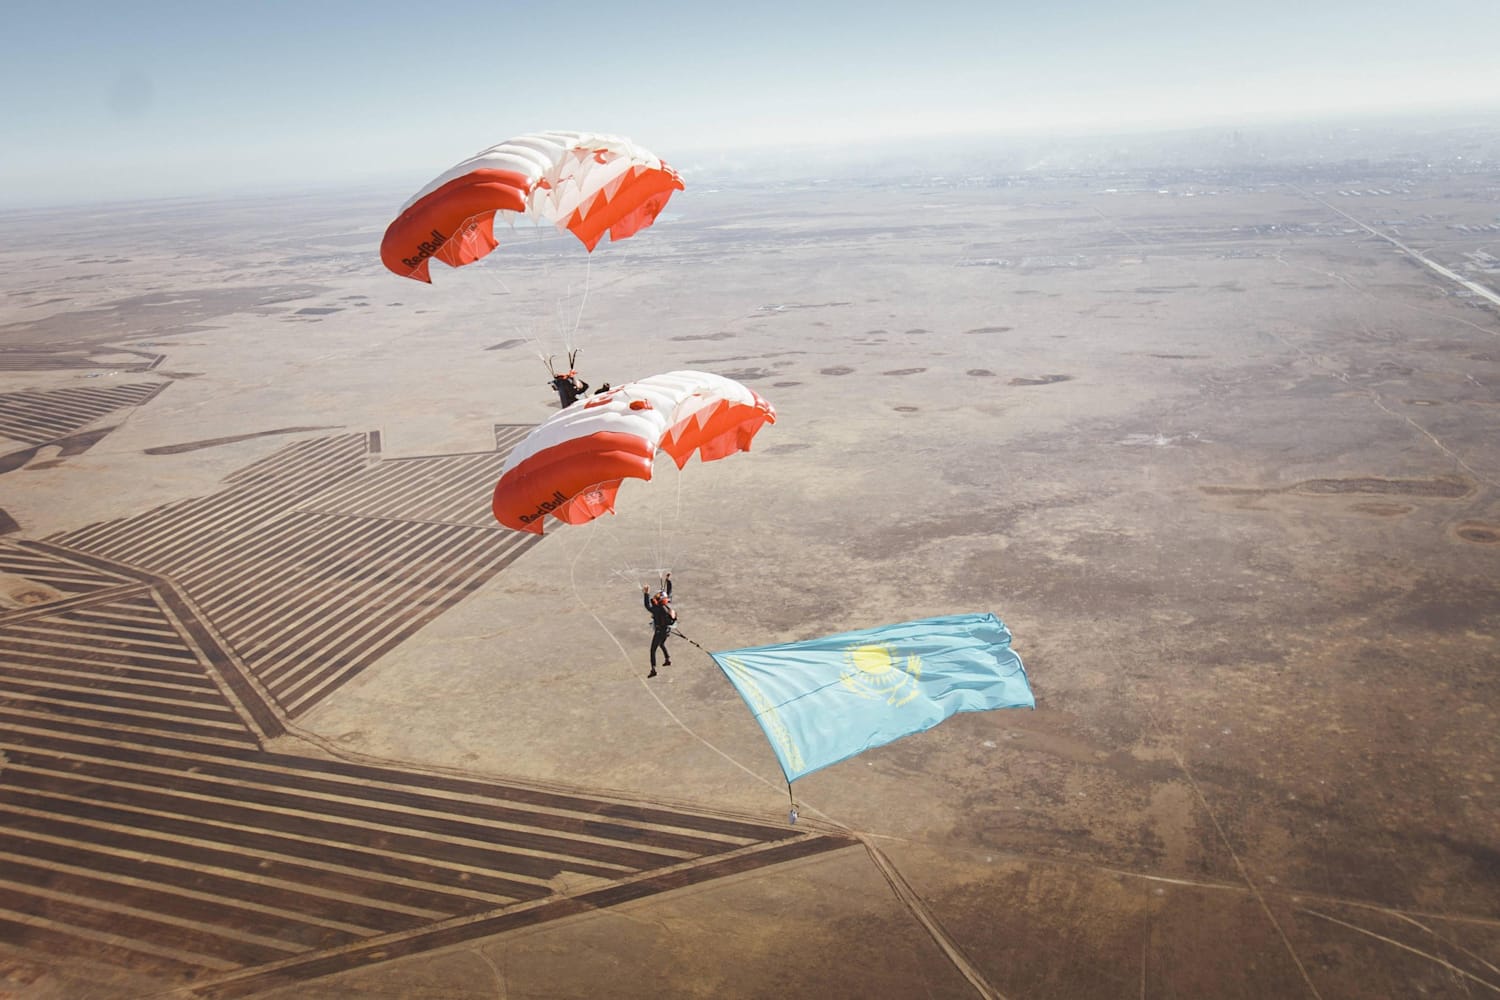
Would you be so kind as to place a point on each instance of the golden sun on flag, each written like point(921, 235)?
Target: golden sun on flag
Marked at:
point(875, 672)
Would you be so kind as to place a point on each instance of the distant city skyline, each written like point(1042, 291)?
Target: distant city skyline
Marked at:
point(136, 101)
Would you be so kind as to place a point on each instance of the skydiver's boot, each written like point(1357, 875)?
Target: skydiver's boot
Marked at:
point(653, 671)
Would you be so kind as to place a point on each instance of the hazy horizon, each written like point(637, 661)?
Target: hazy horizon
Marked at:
point(160, 100)
point(1327, 142)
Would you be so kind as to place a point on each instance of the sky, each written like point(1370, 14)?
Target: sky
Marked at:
point(111, 101)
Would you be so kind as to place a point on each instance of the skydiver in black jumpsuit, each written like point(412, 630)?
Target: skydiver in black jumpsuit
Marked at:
point(662, 620)
point(569, 387)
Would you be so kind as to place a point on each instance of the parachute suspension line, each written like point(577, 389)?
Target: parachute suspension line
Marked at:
point(540, 265)
point(624, 655)
point(677, 511)
point(675, 530)
point(493, 269)
point(666, 531)
point(560, 320)
point(495, 272)
point(534, 342)
point(588, 265)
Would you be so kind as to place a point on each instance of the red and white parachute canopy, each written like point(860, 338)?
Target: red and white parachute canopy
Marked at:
point(572, 464)
point(579, 181)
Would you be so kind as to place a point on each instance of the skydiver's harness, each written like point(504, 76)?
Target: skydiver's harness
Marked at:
point(567, 384)
point(572, 363)
point(663, 615)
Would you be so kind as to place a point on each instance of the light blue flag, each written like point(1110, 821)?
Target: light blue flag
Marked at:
point(824, 700)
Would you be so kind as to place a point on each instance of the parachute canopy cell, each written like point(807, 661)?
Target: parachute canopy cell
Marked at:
point(572, 464)
point(821, 701)
point(582, 182)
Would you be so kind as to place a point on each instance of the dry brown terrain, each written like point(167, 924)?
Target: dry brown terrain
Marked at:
point(1228, 466)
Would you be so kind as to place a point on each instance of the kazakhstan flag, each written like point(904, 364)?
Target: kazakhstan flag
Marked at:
point(824, 700)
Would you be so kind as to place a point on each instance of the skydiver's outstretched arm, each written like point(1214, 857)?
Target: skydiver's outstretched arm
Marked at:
point(668, 585)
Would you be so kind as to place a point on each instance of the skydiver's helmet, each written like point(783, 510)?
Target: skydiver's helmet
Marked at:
point(660, 598)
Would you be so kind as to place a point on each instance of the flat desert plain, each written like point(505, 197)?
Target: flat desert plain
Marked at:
point(285, 713)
